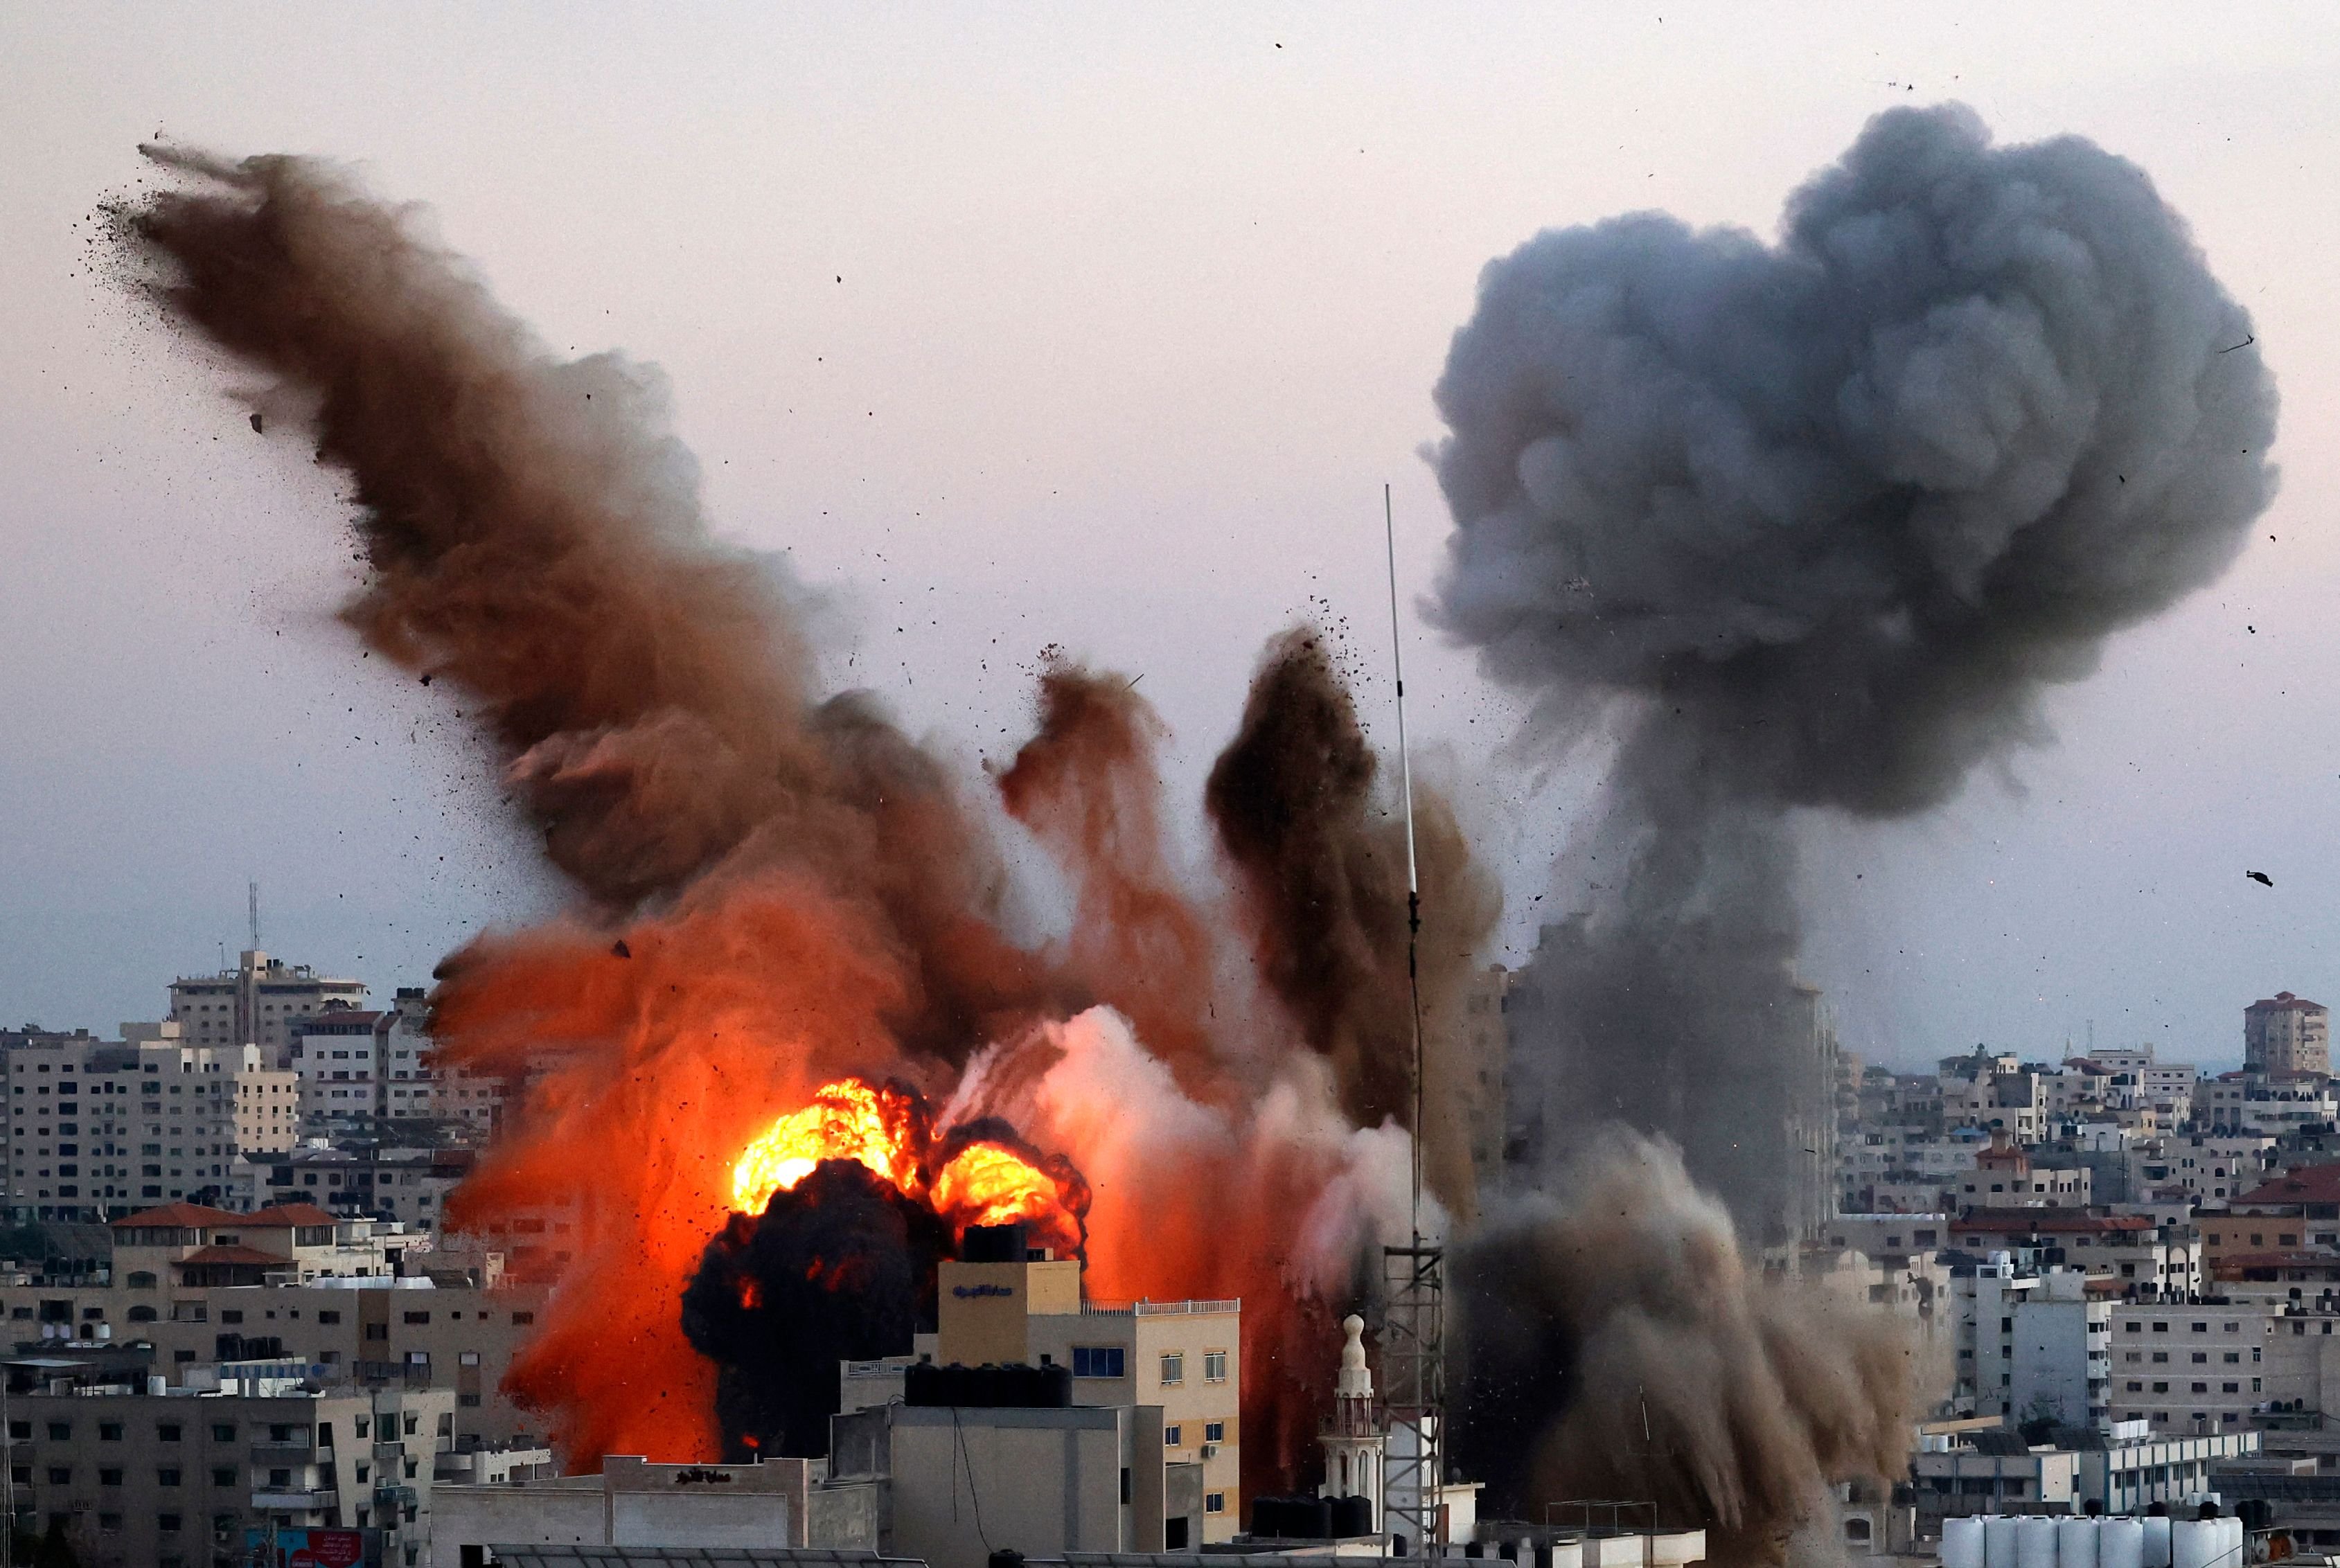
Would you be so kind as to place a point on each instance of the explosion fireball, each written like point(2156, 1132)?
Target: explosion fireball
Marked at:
point(977, 1174)
point(1980, 409)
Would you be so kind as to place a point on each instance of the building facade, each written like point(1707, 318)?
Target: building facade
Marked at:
point(2287, 1034)
point(263, 1001)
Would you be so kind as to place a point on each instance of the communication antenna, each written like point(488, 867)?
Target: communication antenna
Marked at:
point(251, 908)
point(1413, 1277)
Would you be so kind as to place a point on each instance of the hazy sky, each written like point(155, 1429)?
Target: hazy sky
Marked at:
point(1077, 325)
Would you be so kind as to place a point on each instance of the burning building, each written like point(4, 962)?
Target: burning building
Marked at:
point(1815, 524)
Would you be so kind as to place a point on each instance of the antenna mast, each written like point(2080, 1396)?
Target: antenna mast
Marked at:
point(1413, 1337)
point(252, 908)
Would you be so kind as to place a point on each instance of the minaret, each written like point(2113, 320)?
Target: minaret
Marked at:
point(1352, 1439)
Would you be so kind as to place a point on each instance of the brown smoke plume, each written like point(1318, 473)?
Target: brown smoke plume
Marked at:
point(1087, 786)
point(1619, 1344)
point(1320, 857)
point(776, 889)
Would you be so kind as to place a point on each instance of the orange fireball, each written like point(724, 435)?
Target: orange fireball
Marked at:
point(881, 1128)
point(977, 1176)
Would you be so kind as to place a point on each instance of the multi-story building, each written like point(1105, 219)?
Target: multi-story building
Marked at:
point(2287, 1034)
point(409, 1185)
point(182, 1475)
point(2003, 1178)
point(2191, 1367)
point(1487, 1049)
point(2265, 1104)
point(1963, 1472)
point(263, 1001)
point(2142, 1256)
point(422, 1328)
point(2031, 1346)
point(2198, 1168)
point(360, 1068)
point(98, 1129)
point(334, 1055)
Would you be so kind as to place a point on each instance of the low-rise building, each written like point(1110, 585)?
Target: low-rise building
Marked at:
point(631, 1502)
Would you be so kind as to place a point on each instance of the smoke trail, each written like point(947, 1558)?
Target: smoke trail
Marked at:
point(1821, 520)
point(1620, 1346)
point(1321, 861)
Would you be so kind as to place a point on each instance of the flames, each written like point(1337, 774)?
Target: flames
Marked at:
point(978, 1174)
point(846, 1120)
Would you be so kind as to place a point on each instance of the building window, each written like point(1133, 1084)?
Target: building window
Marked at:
point(1215, 1366)
point(1174, 1367)
point(224, 1475)
point(168, 1475)
point(1098, 1360)
point(1215, 1502)
point(1215, 1432)
point(1172, 1436)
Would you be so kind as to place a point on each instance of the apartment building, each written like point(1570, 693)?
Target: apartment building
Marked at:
point(263, 1001)
point(2141, 1255)
point(2265, 1104)
point(1182, 1357)
point(2199, 1168)
point(2191, 1367)
point(360, 1179)
point(408, 1332)
point(143, 1474)
point(95, 1129)
point(2287, 1034)
point(360, 1069)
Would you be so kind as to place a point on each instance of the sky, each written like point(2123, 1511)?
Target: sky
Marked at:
point(1100, 328)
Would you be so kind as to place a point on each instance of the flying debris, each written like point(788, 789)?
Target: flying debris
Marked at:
point(2261, 878)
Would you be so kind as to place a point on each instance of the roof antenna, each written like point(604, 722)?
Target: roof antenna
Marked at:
point(1412, 881)
point(1413, 1277)
point(251, 908)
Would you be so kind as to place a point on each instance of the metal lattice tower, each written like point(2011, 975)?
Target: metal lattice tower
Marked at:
point(1414, 1369)
point(1413, 1278)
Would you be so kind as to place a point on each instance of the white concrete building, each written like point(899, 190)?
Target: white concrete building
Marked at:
point(631, 1502)
point(263, 1001)
point(98, 1129)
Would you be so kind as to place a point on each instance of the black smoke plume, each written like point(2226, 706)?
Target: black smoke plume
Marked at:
point(840, 1267)
point(1810, 524)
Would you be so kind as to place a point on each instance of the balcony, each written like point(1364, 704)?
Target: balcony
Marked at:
point(293, 1500)
point(295, 1451)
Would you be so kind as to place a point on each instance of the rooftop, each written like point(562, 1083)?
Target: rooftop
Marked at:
point(2308, 1184)
point(2050, 1221)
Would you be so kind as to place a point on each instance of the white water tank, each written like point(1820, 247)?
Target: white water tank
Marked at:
point(2156, 1542)
point(2035, 1542)
point(2121, 1544)
point(2195, 1542)
point(1998, 1533)
point(2075, 1542)
point(1962, 1545)
point(2237, 1538)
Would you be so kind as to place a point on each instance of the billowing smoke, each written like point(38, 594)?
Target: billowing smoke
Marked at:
point(1319, 853)
point(839, 1267)
point(1626, 1308)
point(1811, 524)
point(775, 887)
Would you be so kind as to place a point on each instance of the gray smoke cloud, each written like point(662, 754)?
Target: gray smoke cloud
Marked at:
point(1825, 517)
point(1813, 525)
